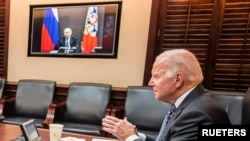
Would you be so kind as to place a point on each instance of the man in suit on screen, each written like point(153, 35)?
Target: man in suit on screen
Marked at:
point(68, 44)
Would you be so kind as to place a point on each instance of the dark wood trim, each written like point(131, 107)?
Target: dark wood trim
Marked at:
point(152, 34)
point(4, 37)
point(213, 41)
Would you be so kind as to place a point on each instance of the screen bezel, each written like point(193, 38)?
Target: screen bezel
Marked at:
point(68, 19)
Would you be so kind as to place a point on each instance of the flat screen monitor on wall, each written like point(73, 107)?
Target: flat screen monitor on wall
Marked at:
point(94, 30)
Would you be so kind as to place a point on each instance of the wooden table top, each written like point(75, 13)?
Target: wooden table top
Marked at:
point(9, 132)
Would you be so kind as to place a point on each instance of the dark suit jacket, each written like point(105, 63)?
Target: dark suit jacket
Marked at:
point(198, 108)
point(73, 43)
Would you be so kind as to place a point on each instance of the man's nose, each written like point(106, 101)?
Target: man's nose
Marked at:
point(150, 82)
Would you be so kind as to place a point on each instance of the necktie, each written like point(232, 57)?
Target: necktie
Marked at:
point(165, 122)
point(67, 44)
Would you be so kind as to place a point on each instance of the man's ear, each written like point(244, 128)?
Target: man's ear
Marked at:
point(179, 79)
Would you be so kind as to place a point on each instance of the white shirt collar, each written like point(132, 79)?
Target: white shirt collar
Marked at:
point(182, 97)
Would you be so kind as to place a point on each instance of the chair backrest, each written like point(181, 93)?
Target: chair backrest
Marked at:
point(33, 97)
point(232, 102)
point(143, 110)
point(87, 102)
point(2, 85)
point(246, 108)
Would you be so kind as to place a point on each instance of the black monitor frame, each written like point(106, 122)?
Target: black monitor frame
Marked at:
point(75, 16)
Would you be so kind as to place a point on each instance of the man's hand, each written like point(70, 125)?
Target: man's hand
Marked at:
point(121, 128)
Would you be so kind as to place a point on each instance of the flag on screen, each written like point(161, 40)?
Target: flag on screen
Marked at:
point(89, 38)
point(50, 30)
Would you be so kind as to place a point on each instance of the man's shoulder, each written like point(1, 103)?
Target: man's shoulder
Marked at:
point(73, 38)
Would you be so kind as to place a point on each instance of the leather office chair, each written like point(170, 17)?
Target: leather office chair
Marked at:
point(246, 108)
point(232, 102)
point(32, 100)
point(143, 110)
point(85, 107)
point(2, 85)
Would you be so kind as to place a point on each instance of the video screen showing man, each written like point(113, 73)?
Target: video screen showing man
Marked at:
point(68, 44)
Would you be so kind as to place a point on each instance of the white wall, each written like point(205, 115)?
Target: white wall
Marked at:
point(126, 70)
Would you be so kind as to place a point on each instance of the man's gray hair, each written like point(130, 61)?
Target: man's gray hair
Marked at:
point(181, 60)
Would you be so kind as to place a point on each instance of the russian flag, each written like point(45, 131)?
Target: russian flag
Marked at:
point(90, 39)
point(50, 30)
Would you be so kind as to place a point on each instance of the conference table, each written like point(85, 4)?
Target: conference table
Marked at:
point(9, 132)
